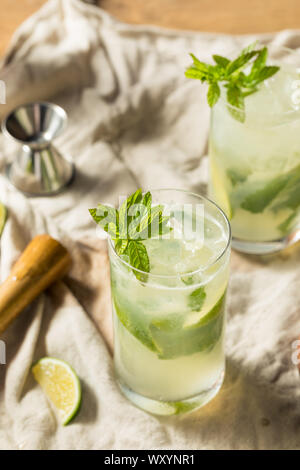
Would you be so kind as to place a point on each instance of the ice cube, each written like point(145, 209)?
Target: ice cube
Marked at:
point(278, 95)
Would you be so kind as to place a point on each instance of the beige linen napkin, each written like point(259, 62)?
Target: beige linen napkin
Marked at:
point(134, 120)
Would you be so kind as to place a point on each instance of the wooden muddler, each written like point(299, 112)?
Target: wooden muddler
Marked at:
point(42, 262)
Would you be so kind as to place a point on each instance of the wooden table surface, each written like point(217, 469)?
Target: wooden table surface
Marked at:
point(229, 16)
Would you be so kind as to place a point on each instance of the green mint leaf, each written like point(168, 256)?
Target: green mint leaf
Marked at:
point(151, 215)
point(187, 280)
point(220, 60)
point(138, 259)
point(240, 62)
point(137, 215)
point(121, 246)
point(238, 83)
point(163, 225)
point(201, 66)
point(112, 230)
point(153, 224)
point(213, 93)
point(257, 202)
point(237, 114)
point(290, 196)
point(158, 225)
point(236, 99)
point(196, 299)
point(212, 314)
point(251, 47)
point(283, 192)
point(266, 72)
point(250, 92)
point(104, 214)
point(135, 198)
point(140, 228)
point(286, 225)
point(236, 177)
point(147, 201)
point(235, 96)
point(107, 218)
point(135, 221)
point(259, 63)
point(192, 72)
point(124, 218)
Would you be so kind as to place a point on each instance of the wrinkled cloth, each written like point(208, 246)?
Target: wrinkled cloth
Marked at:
point(134, 121)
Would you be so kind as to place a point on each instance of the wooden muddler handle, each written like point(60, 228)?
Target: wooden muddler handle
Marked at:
point(43, 261)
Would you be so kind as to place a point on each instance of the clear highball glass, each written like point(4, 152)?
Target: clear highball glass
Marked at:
point(255, 164)
point(169, 329)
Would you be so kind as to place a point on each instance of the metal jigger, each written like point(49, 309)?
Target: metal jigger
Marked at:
point(39, 169)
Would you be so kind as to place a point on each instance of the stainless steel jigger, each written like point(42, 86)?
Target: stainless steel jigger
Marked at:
point(39, 169)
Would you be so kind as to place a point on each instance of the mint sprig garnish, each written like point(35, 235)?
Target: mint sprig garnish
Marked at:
point(135, 221)
point(230, 73)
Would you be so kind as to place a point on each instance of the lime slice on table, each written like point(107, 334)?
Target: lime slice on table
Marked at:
point(3, 215)
point(61, 385)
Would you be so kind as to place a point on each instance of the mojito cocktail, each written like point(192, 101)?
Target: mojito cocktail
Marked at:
point(169, 320)
point(254, 148)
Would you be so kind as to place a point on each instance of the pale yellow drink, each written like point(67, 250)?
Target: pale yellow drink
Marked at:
point(255, 165)
point(169, 331)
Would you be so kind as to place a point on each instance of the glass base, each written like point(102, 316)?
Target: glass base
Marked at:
point(169, 408)
point(264, 248)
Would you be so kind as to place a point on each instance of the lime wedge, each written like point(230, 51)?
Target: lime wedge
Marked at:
point(208, 316)
point(136, 325)
point(174, 339)
point(3, 215)
point(61, 385)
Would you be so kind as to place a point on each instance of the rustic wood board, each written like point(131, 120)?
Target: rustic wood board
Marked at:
point(230, 16)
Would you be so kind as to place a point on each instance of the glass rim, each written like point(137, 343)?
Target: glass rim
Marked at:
point(190, 273)
point(292, 52)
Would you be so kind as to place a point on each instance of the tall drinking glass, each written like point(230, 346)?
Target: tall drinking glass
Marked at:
point(255, 164)
point(169, 326)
